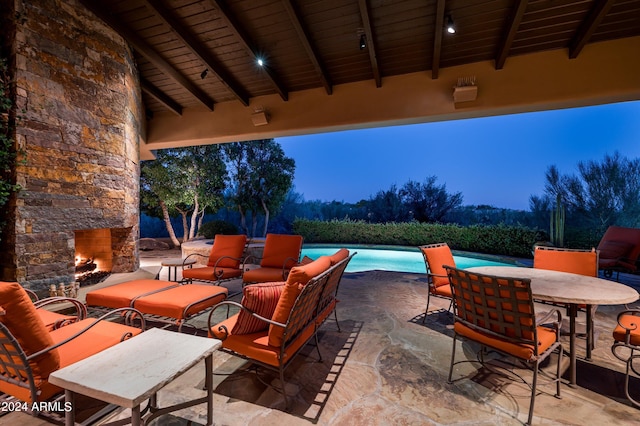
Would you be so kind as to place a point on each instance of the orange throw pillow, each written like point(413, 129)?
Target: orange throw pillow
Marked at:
point(341, 254)
point(261, 299)
point(298, 277)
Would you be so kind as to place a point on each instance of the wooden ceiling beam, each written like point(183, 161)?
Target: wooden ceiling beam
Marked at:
point(160, 96)
point(437, 39)
point(588, 26)
point(513, 23)
point(194, 45)
point(242, 36)
point(371, 45)
point(148, 52)
point(305, 39)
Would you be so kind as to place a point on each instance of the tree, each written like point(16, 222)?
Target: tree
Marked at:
point(261, 176)
point(601, 194)
point(186, 181)
point(387, 206)
point(427, 201)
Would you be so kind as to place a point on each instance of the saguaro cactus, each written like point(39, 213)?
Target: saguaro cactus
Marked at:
point(556, 227)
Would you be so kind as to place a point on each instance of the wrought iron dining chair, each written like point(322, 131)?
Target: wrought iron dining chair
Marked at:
point(575, 261)
point(435, 257)
point(626, 346)
point(498, 313)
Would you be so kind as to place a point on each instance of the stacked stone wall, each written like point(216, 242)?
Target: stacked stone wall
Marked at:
point(80, 120)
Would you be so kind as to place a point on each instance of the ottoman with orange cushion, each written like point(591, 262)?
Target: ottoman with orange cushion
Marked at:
point(161, 300)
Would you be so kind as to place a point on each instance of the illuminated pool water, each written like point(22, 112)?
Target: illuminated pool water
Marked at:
point(369, 259)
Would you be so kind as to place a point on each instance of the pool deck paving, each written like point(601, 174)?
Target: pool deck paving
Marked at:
point(387, 367)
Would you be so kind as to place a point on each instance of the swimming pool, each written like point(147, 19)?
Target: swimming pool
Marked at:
point(369, 259)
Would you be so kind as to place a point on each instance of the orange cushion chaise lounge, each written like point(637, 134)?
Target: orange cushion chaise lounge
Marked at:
point(166, 301)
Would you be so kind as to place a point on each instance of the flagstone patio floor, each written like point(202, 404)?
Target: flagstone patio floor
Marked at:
point(385, 367)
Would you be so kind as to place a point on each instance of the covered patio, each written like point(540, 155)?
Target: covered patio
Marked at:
point(387, 367)
point(117, 82)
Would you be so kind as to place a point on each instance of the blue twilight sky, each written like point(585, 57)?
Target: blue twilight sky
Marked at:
point(498, 161)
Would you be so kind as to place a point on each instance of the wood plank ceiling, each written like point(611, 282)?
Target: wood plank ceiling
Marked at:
point(202, 52)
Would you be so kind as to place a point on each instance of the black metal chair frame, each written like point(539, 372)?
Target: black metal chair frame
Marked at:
point(430, 277)
point(493, 306)
point(14, 359)
point(627, 352)
point(216, 273)
point(590, 310)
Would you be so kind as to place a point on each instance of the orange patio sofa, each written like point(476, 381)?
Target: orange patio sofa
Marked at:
point(29, 352)
point(163, 301)
point(277, 319)
point(619, 250)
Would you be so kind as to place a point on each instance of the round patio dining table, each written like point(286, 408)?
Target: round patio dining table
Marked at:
point(570, 289)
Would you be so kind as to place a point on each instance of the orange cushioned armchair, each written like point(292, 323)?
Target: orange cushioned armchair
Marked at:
point(29, 352)
point(626, 347)
point(225, 260)
point(281, 253)
point(498, 312)
point(436, 256)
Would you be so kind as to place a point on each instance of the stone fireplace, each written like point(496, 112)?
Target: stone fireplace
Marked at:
point(97, 251)
point(77, 98)
point(93, 250)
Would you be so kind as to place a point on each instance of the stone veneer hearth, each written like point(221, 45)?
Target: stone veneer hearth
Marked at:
point(80, 119)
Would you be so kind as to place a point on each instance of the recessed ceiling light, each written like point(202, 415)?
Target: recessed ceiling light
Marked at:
point(451, 27)
point(260, 62)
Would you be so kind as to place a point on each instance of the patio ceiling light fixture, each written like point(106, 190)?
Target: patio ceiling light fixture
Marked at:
point(260, 117)
point(363, 42)
point(449, 25)
point(260, 62)
point(203, 74)
point(465, 90)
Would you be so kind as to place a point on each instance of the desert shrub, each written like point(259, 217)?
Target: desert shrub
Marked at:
point(210, 229)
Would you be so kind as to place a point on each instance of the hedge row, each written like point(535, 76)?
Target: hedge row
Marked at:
point(491, 239)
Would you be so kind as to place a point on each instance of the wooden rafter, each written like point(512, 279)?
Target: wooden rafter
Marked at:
point(371, 45)
point(160, 96)
point(148, 52)
point(305, 39)
point(510, 33)
point(437, 39)
point(588, 26)
point(249, 45)
point(199, 50)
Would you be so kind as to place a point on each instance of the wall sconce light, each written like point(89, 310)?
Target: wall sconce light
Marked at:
point(260, 117)
point(466, 90)
point(363, 42)
point(449, 25)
